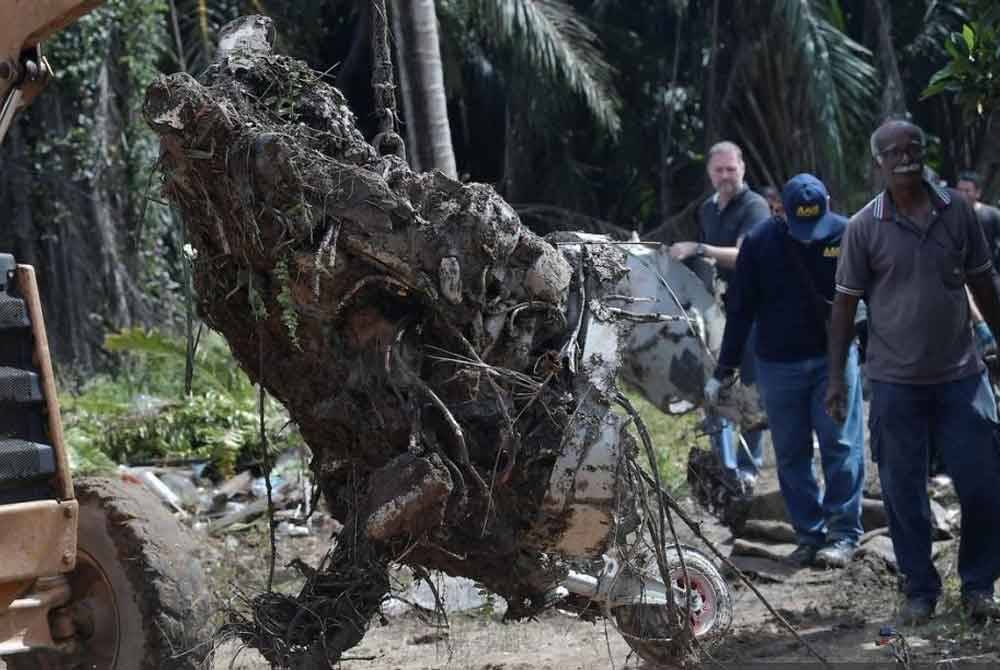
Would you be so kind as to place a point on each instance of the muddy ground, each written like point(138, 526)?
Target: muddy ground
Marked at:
point(839, 613)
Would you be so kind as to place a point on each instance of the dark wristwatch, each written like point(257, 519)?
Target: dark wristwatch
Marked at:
point(699, 250)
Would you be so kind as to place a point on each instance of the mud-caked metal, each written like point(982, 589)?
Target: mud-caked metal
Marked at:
point(634, 313)
point(102, 577)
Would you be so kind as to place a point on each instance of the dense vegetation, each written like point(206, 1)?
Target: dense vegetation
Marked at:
point(583, 113)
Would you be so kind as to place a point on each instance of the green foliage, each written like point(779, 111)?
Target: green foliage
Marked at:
point(104, 62)
point(672, 436)
point(546, 40)
point(972, 74)
point(838, 72)
point(142, 415)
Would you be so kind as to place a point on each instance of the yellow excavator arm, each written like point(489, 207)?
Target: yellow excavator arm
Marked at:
point(24, 25)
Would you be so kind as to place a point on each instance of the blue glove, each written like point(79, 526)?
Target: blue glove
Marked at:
point(985, 342)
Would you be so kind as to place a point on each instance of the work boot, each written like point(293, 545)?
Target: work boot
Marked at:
point(837, 554)
point(980, 607)
point(916, 611)
point(802, 557)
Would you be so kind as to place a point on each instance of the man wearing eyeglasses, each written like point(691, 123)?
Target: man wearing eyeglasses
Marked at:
point(911, 252)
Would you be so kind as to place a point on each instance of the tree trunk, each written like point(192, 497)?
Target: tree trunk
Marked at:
point(421, 75)
point(18, 201)
point(893, 98)
point(341, 316)
point(710, 96)
point(114, 270)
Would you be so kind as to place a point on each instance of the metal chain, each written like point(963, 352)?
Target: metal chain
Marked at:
point(388, 140)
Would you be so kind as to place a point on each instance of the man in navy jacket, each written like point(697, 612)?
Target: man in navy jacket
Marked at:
point(785, 283)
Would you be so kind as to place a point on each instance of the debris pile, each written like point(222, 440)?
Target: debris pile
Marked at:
point(452, 372)
point(235, 503)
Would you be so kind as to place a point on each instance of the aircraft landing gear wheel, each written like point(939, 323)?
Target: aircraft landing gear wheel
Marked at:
point(139, 598)
point(647, 628)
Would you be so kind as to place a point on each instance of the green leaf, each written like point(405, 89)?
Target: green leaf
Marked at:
point(969, 36)
point(836, 16)
point(139, 341)
point(941, 81)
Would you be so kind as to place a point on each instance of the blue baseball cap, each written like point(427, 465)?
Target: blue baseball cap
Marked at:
point(806, 208)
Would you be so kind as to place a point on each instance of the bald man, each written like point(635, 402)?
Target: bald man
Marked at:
point(911, 252)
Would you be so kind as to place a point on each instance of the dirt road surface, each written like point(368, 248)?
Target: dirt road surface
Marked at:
point(838, 612)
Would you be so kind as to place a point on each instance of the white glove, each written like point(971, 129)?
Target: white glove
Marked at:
point(713, 387)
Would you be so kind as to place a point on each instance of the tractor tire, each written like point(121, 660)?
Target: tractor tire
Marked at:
point(647, 628)
point(140, 600)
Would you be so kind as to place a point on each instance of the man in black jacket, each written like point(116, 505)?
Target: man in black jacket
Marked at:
point(785, 282)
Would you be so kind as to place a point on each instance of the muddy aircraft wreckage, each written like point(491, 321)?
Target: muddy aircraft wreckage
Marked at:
point(455, 375)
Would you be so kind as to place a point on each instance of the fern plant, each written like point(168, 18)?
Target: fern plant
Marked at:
point(142, 414)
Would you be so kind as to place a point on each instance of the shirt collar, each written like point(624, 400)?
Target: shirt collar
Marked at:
point(743, 189)
point(884, 209)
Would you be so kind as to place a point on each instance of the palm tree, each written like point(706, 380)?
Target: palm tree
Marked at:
point(421, 77)
point(797, 90)
point(543, 60)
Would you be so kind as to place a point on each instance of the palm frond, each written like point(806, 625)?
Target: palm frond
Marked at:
point(842, 82)
point(554, 39)
point(941, 19)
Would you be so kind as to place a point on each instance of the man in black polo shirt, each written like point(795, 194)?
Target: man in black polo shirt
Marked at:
point(911, 252)
point(971, 184)
point(725, 218)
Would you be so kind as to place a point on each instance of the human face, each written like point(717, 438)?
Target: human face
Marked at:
point(900, 155)
point(726, 171)
point(969, 190)
point(777, 207)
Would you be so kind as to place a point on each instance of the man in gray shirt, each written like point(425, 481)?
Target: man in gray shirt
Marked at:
point(911, 252)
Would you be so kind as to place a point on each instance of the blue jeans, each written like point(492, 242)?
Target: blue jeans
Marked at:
point(794, 394)
point(960, 418)
point(726, 441)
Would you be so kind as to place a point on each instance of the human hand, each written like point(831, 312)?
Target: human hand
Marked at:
point(716, 384)
point(712, 389)
point(836, 399)
point(681, 251)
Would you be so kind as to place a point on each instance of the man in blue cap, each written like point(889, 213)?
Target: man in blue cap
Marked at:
point(785, 283)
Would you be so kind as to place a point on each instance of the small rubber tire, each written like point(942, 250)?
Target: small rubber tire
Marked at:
point(646, 628)
point(140, 580)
